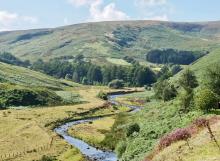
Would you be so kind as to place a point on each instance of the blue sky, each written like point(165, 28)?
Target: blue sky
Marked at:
point(27, 14)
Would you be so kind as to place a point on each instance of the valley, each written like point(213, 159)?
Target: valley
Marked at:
point(126, 90)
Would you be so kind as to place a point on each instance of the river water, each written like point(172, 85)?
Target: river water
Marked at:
point(90, 152)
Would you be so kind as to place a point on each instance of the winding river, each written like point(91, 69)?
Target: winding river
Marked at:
point(90, 152)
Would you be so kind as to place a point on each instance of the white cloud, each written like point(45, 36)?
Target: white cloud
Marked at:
point(153, 9)
point(7, 18)
point(10, 21)
point(150, 2)
point(106, 13)
point(79, 3)
point(99, 12)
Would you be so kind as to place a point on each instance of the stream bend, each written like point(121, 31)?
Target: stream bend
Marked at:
point(89, 151)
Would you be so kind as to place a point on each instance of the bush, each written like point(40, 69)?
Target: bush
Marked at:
point(117, 132)
point(177, 135)
point(175, 69)
point(11, 95)
point(169, 93)
point(206, 100)
point(116, 84)
point(164, 90)
point(102, 95)
point(120, 149)
point(201, 122)
point(132, 128)
point(212, 77)
point(188, 82)
point(47, 158)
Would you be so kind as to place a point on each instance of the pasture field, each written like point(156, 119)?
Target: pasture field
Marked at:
point(27, 133)
point(118, 61)
point(138, 99)
point(93, 132)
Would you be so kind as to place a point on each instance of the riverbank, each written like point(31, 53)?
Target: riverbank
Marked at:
point(27, 134)
point(84, 137)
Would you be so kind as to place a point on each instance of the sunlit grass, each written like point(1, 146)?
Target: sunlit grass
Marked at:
point(93, 132)
point(118, 61)
point(203, 148)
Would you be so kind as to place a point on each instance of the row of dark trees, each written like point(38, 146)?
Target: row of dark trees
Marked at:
point(87, 73)
point(11, 59)
point(173, 56)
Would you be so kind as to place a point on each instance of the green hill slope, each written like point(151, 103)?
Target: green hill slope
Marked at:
point(110, 39)
point(200, 66)
point(26, 77)
point(203, 148)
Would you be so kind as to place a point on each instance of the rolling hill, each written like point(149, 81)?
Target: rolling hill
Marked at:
point(103, 40)
point(26, 77)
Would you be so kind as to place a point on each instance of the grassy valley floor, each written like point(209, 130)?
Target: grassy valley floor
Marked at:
point(26, 134)
point(93, 132)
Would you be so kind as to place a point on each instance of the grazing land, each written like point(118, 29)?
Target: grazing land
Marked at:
point(26, 131)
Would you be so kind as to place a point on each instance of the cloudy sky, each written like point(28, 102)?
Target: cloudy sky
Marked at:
point(27, 14)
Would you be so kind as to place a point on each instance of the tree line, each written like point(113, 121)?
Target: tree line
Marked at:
point(8, 58)
point(87, 73)
point(173, 56)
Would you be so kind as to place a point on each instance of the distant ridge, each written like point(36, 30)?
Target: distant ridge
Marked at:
point(110, 39)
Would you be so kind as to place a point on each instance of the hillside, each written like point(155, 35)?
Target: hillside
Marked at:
point(26, 77)
point(201, 65)
point(203, 148)
point(110, 39)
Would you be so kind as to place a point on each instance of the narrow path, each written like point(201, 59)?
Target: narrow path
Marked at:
point(91, 152)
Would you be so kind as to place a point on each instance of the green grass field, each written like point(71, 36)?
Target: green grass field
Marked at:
point(26, 77)
point(118, 61)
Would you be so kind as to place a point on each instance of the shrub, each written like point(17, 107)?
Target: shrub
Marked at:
point(201, 122)
point(206, 100)
point(132, 128)
point(175, 69)
point(212, 77)
point(47, 158)
point(188, 82)
point(177, 135)
point(116, 84)
point(117, 132)
point(11, 95)
point(120, 149)
point(102, 95)
point(169, 93)
point(164, 90)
